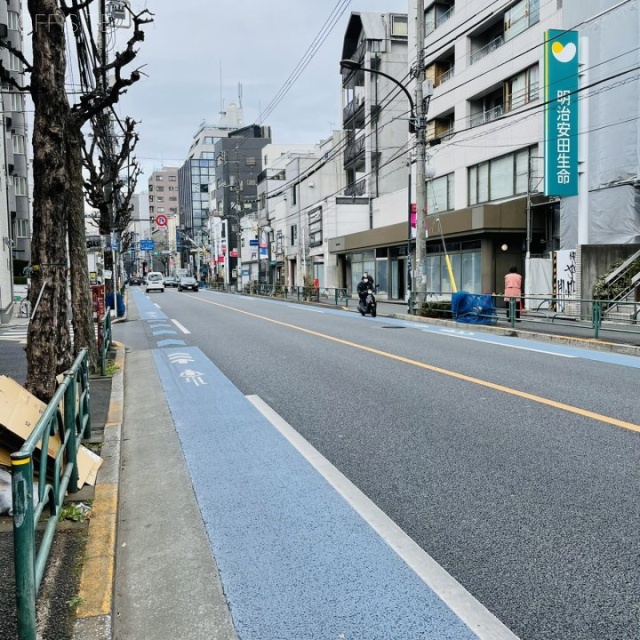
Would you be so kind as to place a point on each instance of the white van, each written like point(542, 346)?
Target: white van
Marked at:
point(155, 282)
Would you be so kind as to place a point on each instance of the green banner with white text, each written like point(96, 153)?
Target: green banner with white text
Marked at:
point(561, 113)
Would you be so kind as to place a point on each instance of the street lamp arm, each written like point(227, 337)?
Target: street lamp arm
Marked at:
point(351, 64)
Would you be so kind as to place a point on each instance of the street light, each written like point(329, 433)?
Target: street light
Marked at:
point(417, 126)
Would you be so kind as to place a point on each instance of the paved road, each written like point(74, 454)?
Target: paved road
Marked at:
point(512, 463)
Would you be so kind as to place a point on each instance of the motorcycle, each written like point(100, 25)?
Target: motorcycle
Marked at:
point(368, 304)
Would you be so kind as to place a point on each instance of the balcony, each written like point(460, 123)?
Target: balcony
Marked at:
point(355, 109)
point(486, 116)
point(358, 188)
point(445, 76)
point(496, 43)
point(437, 14)
point(354, 150)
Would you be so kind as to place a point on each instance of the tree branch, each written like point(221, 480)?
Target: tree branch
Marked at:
point(28, 67)
point(102, 97)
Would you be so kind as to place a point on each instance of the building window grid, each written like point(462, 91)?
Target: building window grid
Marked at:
point(501, 177)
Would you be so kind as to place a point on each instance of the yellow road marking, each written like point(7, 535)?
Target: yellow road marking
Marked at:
point(96, 582)
point(445, 372)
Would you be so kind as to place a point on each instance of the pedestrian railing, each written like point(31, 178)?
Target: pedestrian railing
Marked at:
point(105, 340)
point(67, 416)
point(590, 315)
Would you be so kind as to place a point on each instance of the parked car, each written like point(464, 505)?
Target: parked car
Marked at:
point(171, 281)
point(187, 282)
point(155, 282)
point(135, 281)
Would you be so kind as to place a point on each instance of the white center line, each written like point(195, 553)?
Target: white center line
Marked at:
point(156, 305)
point(181, 327)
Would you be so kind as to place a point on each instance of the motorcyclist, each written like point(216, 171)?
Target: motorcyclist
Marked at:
point(364, 286)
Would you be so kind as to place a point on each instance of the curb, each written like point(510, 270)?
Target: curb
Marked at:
point(93, 615)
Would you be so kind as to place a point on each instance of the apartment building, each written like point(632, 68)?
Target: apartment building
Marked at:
point(164, 197)
point(487, 201)
point(377, 150)
point(16, 144)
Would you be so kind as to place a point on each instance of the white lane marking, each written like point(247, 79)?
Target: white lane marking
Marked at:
point(181, 327)
point(303, 308)
point(475, 615)
point(155, 304)
point(503, 344)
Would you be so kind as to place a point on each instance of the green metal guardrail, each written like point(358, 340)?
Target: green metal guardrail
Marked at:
point(68, 416)
point(592, 315)
point(105, 340)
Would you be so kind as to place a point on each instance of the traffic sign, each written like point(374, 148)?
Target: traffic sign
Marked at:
point(147, 245)
point(161, 220)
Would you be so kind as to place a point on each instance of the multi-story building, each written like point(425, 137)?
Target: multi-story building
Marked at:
point(16, 141)
point(197, 173)
point(164, 197)
point(486, 116)
point(238, 162)
point(377, 122)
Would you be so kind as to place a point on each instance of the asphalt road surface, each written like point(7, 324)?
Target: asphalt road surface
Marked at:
point(514, 464)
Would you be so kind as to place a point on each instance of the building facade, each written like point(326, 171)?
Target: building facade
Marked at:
point(487, 202)
point(164, 197)
point(238, 162)
point(16, 144)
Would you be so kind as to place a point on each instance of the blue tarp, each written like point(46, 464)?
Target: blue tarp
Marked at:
point(473, 308)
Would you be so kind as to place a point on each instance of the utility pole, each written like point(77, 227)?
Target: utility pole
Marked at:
point(421, 158)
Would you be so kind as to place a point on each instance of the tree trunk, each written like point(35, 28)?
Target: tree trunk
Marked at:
point(81, 301)
point(48, 343)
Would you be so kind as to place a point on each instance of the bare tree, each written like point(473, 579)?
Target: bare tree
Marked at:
point(58, 200)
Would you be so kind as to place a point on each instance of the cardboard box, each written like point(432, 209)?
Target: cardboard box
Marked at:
point(19, 414)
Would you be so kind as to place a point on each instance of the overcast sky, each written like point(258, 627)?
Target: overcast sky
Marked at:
point(192, 44)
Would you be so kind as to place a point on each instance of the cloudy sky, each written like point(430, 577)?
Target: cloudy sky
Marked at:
point(192, 45)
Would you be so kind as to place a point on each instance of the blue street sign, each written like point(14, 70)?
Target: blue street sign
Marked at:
point(147, 245)
point(253, 243)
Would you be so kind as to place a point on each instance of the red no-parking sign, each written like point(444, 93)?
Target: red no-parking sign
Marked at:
point(161, 220)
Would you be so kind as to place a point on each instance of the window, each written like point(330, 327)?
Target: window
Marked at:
point(159, 178)
point(14, 20)
point(20, 185)
point(208, 155)
point(14, 63)
point(173, 199)
point(160, 198)
point(172, 178)
point(521, 89)
point(209, 140)
point(150, 198)
point(440, 194)
point(315, 227)
point(150, 188)
point(17, 142)
point(17, 103)
point(250, 161)
point(294, 194)
point(520, 17)
point(293, 234)
point(159, 188)
point(501, 177)
point(160, 209)
point(171, 188)
point(250, 182)
point(438, 13)
point(22, 228)
point(150, 209)
point(399, 26)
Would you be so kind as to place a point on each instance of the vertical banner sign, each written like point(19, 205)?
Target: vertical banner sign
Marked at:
point(561, 113)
